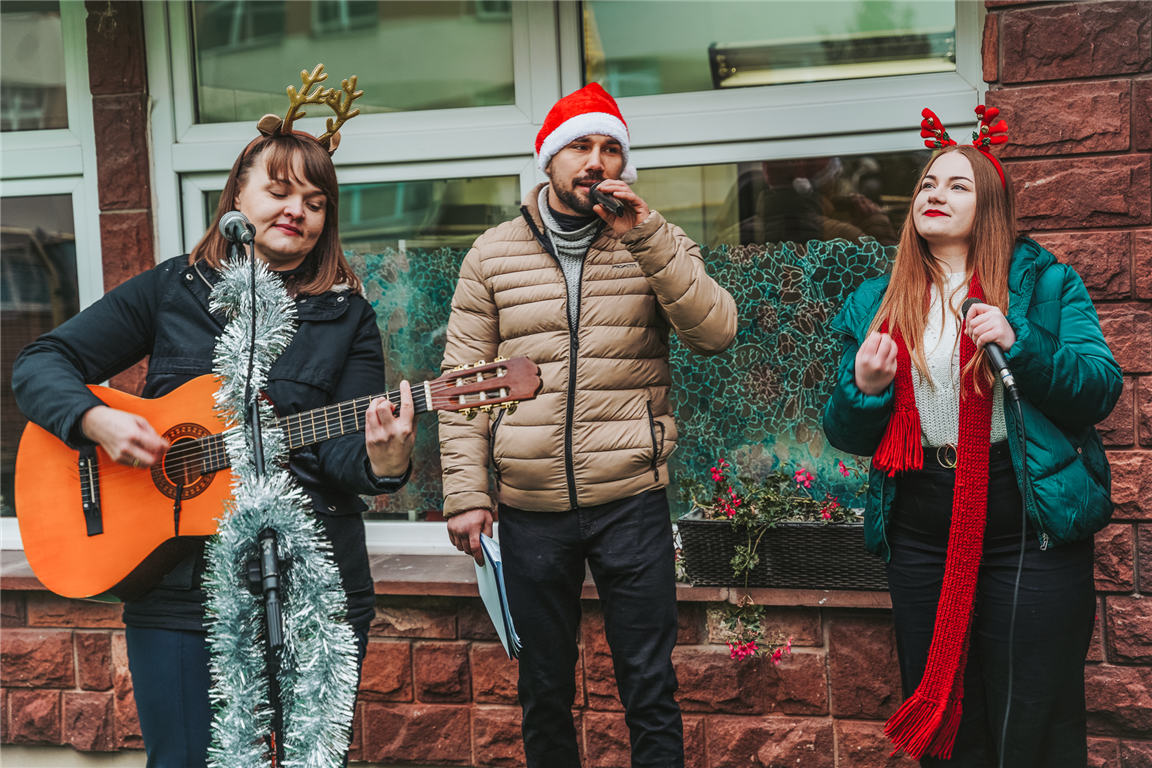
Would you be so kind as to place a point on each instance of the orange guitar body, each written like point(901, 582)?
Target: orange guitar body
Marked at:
point(138, 543)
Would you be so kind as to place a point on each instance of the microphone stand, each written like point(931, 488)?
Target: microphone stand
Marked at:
point(264, 569)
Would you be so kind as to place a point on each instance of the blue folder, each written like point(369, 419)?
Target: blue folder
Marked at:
point(490, 580)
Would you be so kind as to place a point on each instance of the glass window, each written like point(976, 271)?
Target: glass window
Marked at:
point(32, 95)
point(407, 55)
point(37, 293)
point(699, 46)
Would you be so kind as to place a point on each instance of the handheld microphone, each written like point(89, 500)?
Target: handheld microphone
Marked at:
point(610, 203)
point(996, 358)
point(234, 226)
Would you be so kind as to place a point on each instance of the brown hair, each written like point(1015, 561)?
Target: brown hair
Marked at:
point(325, 265)
point(990, 246)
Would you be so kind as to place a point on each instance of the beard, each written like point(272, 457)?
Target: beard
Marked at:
point(569, 197)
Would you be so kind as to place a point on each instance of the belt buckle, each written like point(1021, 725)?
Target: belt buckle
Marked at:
point(950, 456)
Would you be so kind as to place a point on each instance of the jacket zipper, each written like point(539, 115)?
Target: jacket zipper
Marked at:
point(573, 350)
point(655, 447)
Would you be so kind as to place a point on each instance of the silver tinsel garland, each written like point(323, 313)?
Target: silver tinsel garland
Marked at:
point(318, 662)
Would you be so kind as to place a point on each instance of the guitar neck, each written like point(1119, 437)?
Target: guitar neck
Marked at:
point(315, 426)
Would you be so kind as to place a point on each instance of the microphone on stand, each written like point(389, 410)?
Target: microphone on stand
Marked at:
point(234, 227)
point(996, 358)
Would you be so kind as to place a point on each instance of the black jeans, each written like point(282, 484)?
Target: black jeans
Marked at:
point(628, 545)
point(1054, 619)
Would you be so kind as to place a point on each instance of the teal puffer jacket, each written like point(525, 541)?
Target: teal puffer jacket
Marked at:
point(1068, 380)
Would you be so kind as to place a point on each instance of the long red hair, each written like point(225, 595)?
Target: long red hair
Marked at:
point(990, 246)
point(325, 265)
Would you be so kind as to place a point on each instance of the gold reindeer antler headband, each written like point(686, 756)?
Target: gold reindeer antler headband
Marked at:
point(313, 92)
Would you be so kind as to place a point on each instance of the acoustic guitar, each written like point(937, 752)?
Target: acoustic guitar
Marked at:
point(92, 526)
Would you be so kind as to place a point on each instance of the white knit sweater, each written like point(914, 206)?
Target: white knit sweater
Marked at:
point(938, 399)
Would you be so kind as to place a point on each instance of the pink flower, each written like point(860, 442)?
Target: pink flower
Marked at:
point(843, 469)
point(826, 514)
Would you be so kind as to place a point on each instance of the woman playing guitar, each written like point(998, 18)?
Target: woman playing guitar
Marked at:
point(285, 184)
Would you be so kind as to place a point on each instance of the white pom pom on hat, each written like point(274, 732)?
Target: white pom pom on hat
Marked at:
point(590, 110)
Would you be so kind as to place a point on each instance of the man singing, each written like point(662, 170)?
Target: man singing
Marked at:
point(580, 471)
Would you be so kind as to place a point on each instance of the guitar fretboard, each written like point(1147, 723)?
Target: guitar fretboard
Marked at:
point(314, 426)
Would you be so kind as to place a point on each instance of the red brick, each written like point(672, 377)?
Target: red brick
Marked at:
point(1100, 258)
point(711, 681)
point(798, 685)
point(1131, 484)
point(864, 674)
point(738, 742)
point(126, 245)
point(35, 717)
point(387, 672)
point(3, 715)
point(695, 727)
point(494, 675)
point(48, 610)
point(1142, 113)
point(1075, 40)
point(12, 609)
point(1006, 3)
point(690, 623)
point(1065, 118)
point(94, 660)
point(1144, 411)
point(1119, 428)
point(475, 623)
point(89, 723)
point(442, 674)
point(404, 616)
point(1119, 700)
point(1096, 648)
point(1144, 553)
point(115, 38)
point(803, 625)
point(1103, 753)
point(122, 170)
point(417, 733)
point(1129, 629)
point(496, 737)
point(37, 658)
point(1142, 251)
point(1114, 555)
point(606, 740)
point(131, 380)
point(862, 744)
point(1080, 193)
point(355, 747)
point(1136, 754)
point(990, 48)
point(1127, 329)
point(127, 721)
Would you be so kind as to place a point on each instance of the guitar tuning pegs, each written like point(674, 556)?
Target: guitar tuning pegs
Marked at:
point(470, 413)
point(477, 365)
point(459, 368)
point(499, 359)
point(486, 408)
point(510, 406)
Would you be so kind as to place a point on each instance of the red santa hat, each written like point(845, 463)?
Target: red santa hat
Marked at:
point(588, 111)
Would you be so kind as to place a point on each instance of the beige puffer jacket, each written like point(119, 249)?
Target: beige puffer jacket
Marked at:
point(600, 428)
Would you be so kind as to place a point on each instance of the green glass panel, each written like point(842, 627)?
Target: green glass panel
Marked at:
point(32, 93)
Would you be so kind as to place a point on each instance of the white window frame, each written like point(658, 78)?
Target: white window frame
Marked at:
point(668, 130)
point(61, 161)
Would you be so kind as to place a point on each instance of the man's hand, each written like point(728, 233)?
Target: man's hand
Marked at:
point(986, 324)
point(389, 436)
point(635, 209)
point(875, 363)
point(464, 531)
point(126, 437)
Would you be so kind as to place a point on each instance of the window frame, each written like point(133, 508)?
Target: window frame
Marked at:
point(62, 161)
point(668, 130)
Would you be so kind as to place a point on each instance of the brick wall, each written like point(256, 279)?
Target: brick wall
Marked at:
point(1073, 80)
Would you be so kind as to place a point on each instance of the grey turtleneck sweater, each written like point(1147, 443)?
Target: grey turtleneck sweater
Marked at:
point(571, 248)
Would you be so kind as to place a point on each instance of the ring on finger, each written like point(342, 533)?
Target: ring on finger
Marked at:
point(135, 463)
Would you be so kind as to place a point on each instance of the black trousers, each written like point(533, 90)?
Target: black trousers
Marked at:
point(628, 545)
point(1054, 621)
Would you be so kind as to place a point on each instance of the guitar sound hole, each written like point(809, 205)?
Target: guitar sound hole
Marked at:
point(183, 465)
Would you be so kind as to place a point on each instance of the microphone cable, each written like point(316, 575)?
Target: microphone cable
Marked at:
point(1019, 571)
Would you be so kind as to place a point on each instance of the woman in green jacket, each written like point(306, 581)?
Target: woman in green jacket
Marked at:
point(985, 518)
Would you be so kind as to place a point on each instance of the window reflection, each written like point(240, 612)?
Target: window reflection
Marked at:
point(32, 94)
point(37, 293)
point(407, 55)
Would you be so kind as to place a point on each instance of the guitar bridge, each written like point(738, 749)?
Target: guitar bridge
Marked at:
point(90, 490)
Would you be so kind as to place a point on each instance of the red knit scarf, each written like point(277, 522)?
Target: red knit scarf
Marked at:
point(928, 720)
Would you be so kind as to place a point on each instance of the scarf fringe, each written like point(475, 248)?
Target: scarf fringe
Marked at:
point(900, 449)
point(922, 726)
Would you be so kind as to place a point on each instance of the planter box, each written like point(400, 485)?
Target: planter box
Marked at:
point(792, 556)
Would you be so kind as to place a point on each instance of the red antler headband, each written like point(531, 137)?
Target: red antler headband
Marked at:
point(989, 133)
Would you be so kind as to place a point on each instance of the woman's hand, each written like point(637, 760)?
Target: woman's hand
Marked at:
point(635, 209)
point(389, 436)
point(875, 363)
point(986, 324)
point(126, 437)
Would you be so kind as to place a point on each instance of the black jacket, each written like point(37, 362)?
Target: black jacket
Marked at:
point(162, 314)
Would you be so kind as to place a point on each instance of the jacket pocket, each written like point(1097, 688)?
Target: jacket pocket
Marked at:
point(492, 447)
point(657, 446)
